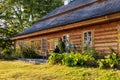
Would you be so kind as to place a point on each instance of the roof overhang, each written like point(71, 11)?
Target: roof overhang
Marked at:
point(110, 17)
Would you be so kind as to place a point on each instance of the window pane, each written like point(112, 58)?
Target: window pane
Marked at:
point(88, 39)
point(43, 44)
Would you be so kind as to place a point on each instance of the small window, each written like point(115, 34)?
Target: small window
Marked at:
point(66, 37)
point(38, 44)
point(88, 39)
point(32, 42)
point(53, 43)
point(44, 44)
point(56, 42)
point(66, 40)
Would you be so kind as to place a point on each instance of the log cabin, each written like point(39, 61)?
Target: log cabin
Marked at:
point(96, 22)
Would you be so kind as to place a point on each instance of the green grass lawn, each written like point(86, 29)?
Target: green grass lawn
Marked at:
point(16, 70)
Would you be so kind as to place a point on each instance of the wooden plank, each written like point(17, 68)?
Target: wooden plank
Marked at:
point(76, 40)
point(75, 37)
point(109, 38)
point(77, 43)
point(106, 27)
point(104, 52)
point(106, 36)
point(75, 34)
point(105, 48)
point(105, 41)
point(106, 44)
point(105, 33)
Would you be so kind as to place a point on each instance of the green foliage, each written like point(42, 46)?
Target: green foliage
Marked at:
point(61, 46)
point(70, 60)
point(17, 15)
point(5, 43)
point(25, 51)
point(17, 54)
point(110, 61)
point(85, 60)
point(91, 51)
point(6, 53)
point(56, 58)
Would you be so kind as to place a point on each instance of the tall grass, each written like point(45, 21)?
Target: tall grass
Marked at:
point(16, 70)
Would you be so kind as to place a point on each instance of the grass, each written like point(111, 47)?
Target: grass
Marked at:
point(16, 70)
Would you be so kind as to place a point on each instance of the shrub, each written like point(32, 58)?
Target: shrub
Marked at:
point(26, 51)
point(85, 60)
point(70, 60)
point(110, 61)
point(17, 54)
point(6, 53)
point(91, 51)
point(55, 58)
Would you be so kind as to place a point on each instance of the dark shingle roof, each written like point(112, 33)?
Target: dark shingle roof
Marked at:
point(72, 5)
point(98, 8)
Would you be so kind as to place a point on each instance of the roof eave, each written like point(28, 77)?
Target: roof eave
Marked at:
point(109, 17)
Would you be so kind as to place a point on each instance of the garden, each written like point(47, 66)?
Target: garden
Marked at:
point(86, 58)
point(62, 63)
point(87, 65)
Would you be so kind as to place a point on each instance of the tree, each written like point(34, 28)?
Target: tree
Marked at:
point(20, 14)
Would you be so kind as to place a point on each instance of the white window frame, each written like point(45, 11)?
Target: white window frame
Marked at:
point(91, 42)
point(68, 38)
point(43, 48)
point(67, 35)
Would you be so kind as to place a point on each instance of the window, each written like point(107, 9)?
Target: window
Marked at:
point(66, 40)
point(66, 37)
point(53, 43)
point(87, 39)
point(32, 42)
point(56, 42)
point(44, 44)
point(38, 44)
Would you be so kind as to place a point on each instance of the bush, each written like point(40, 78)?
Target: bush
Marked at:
point(55, 58)
point(70, 60)
point(25, 51)
point(85, 60)
point(91, 51)
point(17, 54)
point(110, 61)
point(6, 53)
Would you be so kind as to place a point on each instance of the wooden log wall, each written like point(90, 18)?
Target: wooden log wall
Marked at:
point(104, 35)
